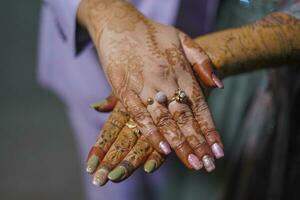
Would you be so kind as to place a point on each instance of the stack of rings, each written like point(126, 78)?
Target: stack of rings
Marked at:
point(179, 96)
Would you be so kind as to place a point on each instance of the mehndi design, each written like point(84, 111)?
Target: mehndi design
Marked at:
point(139, 57)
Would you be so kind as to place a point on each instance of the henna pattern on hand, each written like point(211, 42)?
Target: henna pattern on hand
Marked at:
point(125, 67)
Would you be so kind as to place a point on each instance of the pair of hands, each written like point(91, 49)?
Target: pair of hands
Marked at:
point(121, 148)
point(142, 58)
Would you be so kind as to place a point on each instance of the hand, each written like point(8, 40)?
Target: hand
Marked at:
point(214, 45)
point(142, 58)
point(120, 149)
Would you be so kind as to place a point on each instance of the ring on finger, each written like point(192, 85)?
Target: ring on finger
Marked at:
point(179, 96)
point(161, 98)
point(150, 101)
point(131, 124)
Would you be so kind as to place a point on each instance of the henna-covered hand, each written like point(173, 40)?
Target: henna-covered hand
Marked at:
point(141, 58)
point(216, 44)
point(123, 151)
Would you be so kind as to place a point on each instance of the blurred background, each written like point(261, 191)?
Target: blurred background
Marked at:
point(35, 131)
point(38, 156)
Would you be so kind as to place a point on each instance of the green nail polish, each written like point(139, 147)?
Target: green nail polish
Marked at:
point(150, 166)
point(117, 173)
point(98, 105)
point(92, 164)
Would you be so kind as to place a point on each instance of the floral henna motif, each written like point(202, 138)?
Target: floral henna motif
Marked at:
point(121, 146)
point(168, 128)
point(136, 156)
point(125, 67)
point(124, 18)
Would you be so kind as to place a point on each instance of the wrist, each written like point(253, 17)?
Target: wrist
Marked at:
point(254, 46)
point(97, 15)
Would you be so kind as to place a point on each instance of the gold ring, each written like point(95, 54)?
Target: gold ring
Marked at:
point(150, 101)
point(179, 96)
point(131, 124)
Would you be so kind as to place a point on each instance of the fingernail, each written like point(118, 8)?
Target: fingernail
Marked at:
point(98, 105)
point(208, 163)
point(195, 162)
point(92, 164)
point(217, 150)
point(117, 173)
point(100, 177)
point(165, 147)
point(150, 166)
point(217, 81)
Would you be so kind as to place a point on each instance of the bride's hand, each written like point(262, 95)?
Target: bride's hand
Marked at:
point(146, 63)
point(120, 149)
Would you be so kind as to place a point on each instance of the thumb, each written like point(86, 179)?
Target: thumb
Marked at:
point(105, 105)
point(201, 63)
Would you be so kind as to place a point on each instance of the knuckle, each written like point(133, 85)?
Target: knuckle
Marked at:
point(180, 146)
point(194, 141)
point(148, 130)
point(139, 114)
point(183, 117)
point(200, 107)
point(212, 136)
point(163, 120)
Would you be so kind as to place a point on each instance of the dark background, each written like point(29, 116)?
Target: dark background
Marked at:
point(34, 129)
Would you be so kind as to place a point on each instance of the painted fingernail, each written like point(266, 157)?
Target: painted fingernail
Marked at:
point(117, 173)
point(208, 163)
point(100, 177)
point(98, 105)
point(217, 81)
point(195, 162)
point(150, 166)
point(92, 164)
point(217, 150)
point(165, 147)
point(103, 106)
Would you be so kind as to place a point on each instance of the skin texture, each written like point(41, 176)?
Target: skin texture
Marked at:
point(140, 58)
point(231, 56)
point(107, 136)
point(269, 42)
point(128, 148)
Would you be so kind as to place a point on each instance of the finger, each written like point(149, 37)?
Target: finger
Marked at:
point(202, 113)
point(105, 105)
point(167, 126)
point(184, 118)
point(107, 136)
point(169, 129)
point(120, 148)
point(141, 116)
point(200, 61)
point(153, 162)
point(136, 157)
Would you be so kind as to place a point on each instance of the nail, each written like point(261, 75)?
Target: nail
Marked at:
point(195, 162)
point(217, 150)
point(217, 81)
point(117, 173)
point(150, 166)
point(165, 147)
point(98, 104)
point(92, 164)
point(100, 177)
point(208, 163)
